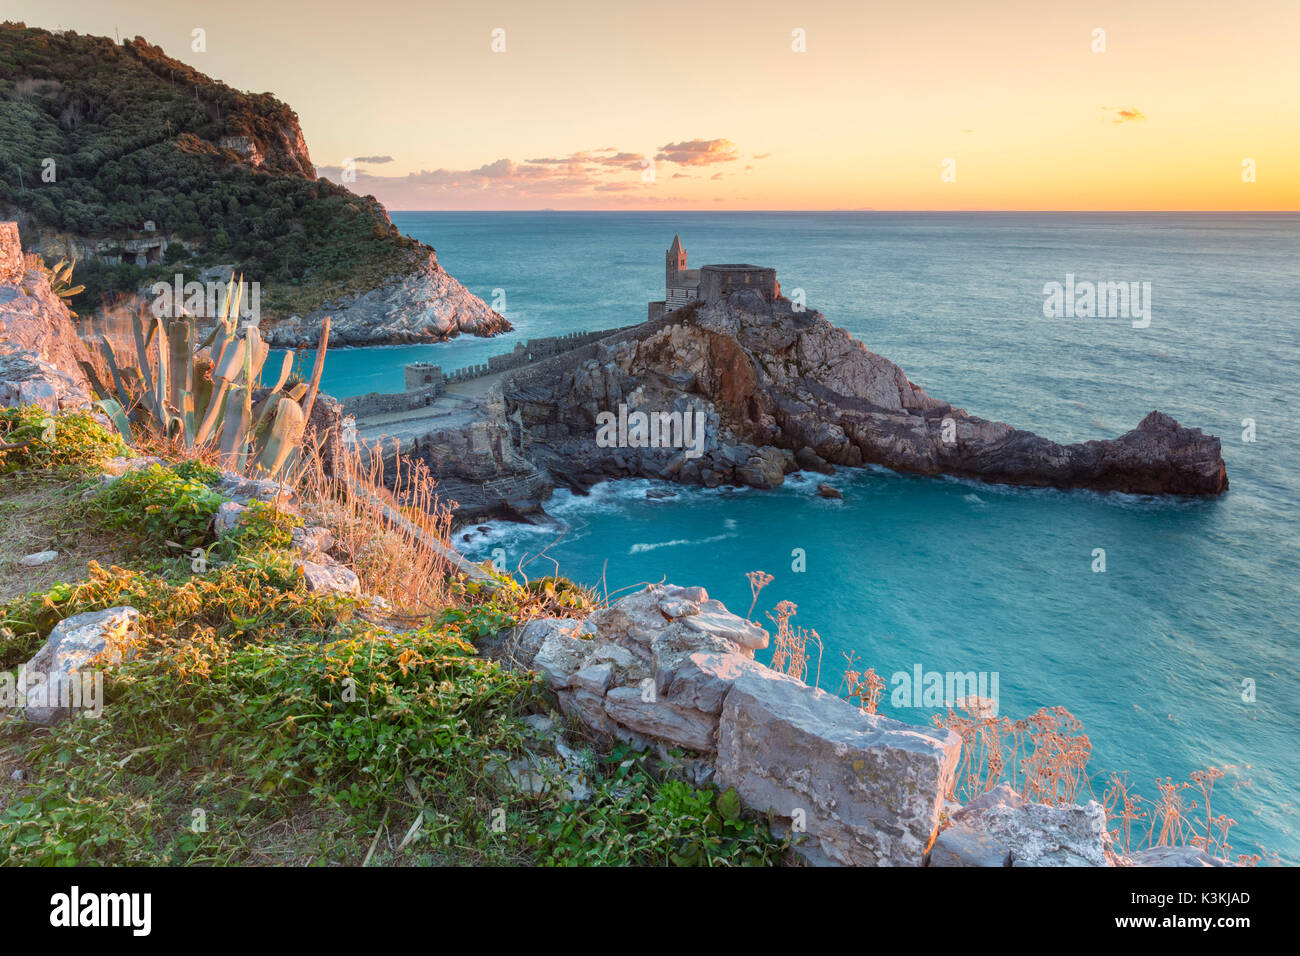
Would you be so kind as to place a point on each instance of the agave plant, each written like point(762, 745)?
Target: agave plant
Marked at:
point(61, 280)
point(204, 392)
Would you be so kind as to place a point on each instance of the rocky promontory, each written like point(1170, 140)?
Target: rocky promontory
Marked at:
point(424, 305)
point(780, 389)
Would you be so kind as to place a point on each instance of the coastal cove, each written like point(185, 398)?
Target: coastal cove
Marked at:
point(953, 575)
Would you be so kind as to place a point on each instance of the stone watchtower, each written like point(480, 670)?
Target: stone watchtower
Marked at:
point(424, 377)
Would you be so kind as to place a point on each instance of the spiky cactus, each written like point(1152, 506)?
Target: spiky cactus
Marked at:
point(204, 393)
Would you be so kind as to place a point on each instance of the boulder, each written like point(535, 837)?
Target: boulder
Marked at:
point(245, 490)
point(329, 578)
point(868, 788)
point(1175, 856)
point(52, 678)
point(647, 713)
point(1000, 828)
point(27, 379)
point(809, 460)
point(701, 679)
point(312, 539)
point(228, 516)
point(714, 620)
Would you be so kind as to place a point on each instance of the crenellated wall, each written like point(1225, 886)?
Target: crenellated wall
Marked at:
point(425, 382)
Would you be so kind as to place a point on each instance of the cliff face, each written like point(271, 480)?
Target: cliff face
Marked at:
point(780, 390)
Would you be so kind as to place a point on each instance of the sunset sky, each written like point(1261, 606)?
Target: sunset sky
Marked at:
point(586, 93)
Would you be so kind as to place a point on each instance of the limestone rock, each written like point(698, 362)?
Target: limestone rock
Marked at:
point(809, 460)
point(561, 655)
point(423, 305)
point(12, 266)
point(669, 667)
point(77, 645)
point(715, 620)
point(40, 351)
point(329, 578)
point(519, 646)
point(702, 679)
point(37, 559)
point(312, 539)
point(117, 467)
point(245, 490)
point(662, 719)
point(1176, 856)
point(1000, 828)
point(869, 788)
point(26, 379)
point(567, 775)
point(228, 516)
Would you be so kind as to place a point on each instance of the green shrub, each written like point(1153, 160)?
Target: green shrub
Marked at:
point(198, 472)
point(634, 820)
point(250, 599)
point(69, 444)
point(155, 506)
point(263, 527)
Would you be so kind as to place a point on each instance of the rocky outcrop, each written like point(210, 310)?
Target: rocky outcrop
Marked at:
point(778, 389)
point(40, 353)
point(868, 790)
point(669, 666)
point(328, 578)
point(58, 681)
point(426, 305)
point(1178, 856)
point(1000, 828)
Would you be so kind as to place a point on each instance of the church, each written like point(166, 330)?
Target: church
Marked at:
point(708, 284)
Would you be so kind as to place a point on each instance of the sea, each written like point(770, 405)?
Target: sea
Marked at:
point(1169, 628)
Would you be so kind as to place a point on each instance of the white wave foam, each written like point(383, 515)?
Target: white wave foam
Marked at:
point(642, 547)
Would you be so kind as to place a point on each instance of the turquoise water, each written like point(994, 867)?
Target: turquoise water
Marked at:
point(1196, 596)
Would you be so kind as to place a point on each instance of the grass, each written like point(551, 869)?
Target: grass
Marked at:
point(260, 723)
point(41, 514)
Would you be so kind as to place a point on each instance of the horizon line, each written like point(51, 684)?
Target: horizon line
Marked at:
point(1226, 212)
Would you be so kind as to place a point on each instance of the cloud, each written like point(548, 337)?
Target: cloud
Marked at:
point(698, 152)
point(762, 155)
point(607, 156)
point(593, 177)
point(1125, 114)
point(373, 159)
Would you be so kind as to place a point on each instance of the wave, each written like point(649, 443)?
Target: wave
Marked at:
point(642, 548)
